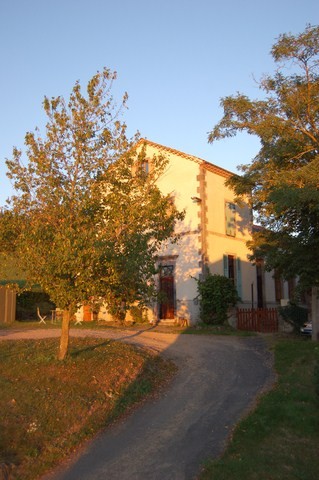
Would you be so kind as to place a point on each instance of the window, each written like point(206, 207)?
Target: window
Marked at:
point(145, 167)
point(167, 270)
point(232, 270)
point(231, 267)
point(230, 218)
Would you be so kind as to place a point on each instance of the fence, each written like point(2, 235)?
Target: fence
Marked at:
point(7, 305)
point(263, 320)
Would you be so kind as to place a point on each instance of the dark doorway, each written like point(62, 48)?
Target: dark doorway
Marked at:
point(167, 292)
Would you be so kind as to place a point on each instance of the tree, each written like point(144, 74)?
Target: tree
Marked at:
point(136, 218)
point(74, 224)
point(282, 180)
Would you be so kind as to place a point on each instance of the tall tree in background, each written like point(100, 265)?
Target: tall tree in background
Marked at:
point(74, 225)
point(283, 179)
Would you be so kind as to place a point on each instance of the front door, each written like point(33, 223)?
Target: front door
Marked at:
point(167, 292)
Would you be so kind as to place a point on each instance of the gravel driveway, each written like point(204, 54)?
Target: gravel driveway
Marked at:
point(168, 438)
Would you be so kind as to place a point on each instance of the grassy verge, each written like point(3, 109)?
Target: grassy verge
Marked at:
point(280, 439)
point(199, 329)
point(50, 407)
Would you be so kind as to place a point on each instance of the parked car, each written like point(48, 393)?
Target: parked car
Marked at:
point(306, 329)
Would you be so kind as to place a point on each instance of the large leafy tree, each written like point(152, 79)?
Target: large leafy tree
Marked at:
point(85, 222)
point(282, 179)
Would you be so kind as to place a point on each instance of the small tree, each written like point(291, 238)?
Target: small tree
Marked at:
point(216, 294)
point(135, 219)
point(75, 224)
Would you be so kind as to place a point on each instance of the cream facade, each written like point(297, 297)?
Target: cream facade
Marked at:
point(213, 236)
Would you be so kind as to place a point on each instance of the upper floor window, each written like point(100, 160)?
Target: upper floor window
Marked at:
point(145, 167)
point(230, 218)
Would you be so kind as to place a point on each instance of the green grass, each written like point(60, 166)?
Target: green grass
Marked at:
point(280, 439)
point(49, 407)
point(199, 329)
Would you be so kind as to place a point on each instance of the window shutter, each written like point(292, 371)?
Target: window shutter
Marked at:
point(238, 277)
point(225, 261)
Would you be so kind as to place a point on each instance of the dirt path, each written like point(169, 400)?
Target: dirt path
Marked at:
point(170, 437)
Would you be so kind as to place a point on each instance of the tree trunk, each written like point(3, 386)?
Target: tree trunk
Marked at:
point(315, 313)
point(64, 340)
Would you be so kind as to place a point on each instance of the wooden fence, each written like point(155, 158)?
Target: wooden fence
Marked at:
point(263, 320)
point(7, 305)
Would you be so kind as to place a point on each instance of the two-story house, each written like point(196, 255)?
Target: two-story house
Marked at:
point(213, 235)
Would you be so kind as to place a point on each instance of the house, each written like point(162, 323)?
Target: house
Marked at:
point(213, 236)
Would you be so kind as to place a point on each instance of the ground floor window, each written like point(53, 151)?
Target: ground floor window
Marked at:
point(232, 270)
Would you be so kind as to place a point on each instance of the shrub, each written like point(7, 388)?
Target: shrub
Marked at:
point(294, 315)
point(216, 294)
point(139, 314)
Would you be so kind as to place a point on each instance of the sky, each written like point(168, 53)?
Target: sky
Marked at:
point(176, 59)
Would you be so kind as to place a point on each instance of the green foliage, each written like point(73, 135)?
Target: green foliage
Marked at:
point(139, 314)
point(294, 314)
point(216, 294)
point(282, 180)
point(86, 222)
point(316, 377)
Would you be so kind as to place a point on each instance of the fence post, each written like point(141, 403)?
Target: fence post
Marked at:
point(7, 305)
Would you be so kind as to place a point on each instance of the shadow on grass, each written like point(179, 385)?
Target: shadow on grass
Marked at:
point(76, 352)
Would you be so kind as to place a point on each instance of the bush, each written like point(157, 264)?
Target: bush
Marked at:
point(139, 314)
point(27, 303)
point(294, 315)
point(216, 294)
point(316, 376)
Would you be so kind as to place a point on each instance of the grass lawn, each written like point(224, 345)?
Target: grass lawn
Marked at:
point(48, 407)
point(199, 329)
point(280, 439)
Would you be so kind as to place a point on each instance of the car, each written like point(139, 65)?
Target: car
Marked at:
point(306, 329)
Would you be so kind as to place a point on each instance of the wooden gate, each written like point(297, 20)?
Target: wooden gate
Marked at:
point(263, 320)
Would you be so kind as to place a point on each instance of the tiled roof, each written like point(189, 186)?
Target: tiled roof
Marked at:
point(208, 166)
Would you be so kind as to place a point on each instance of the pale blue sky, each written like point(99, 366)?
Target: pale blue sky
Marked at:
point(175, 58)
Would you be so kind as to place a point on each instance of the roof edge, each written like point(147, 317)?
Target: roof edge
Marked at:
point(207, 165)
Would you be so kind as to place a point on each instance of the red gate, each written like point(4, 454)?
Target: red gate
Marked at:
point(263, 320)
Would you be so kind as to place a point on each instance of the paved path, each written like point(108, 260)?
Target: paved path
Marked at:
point(169, 437)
